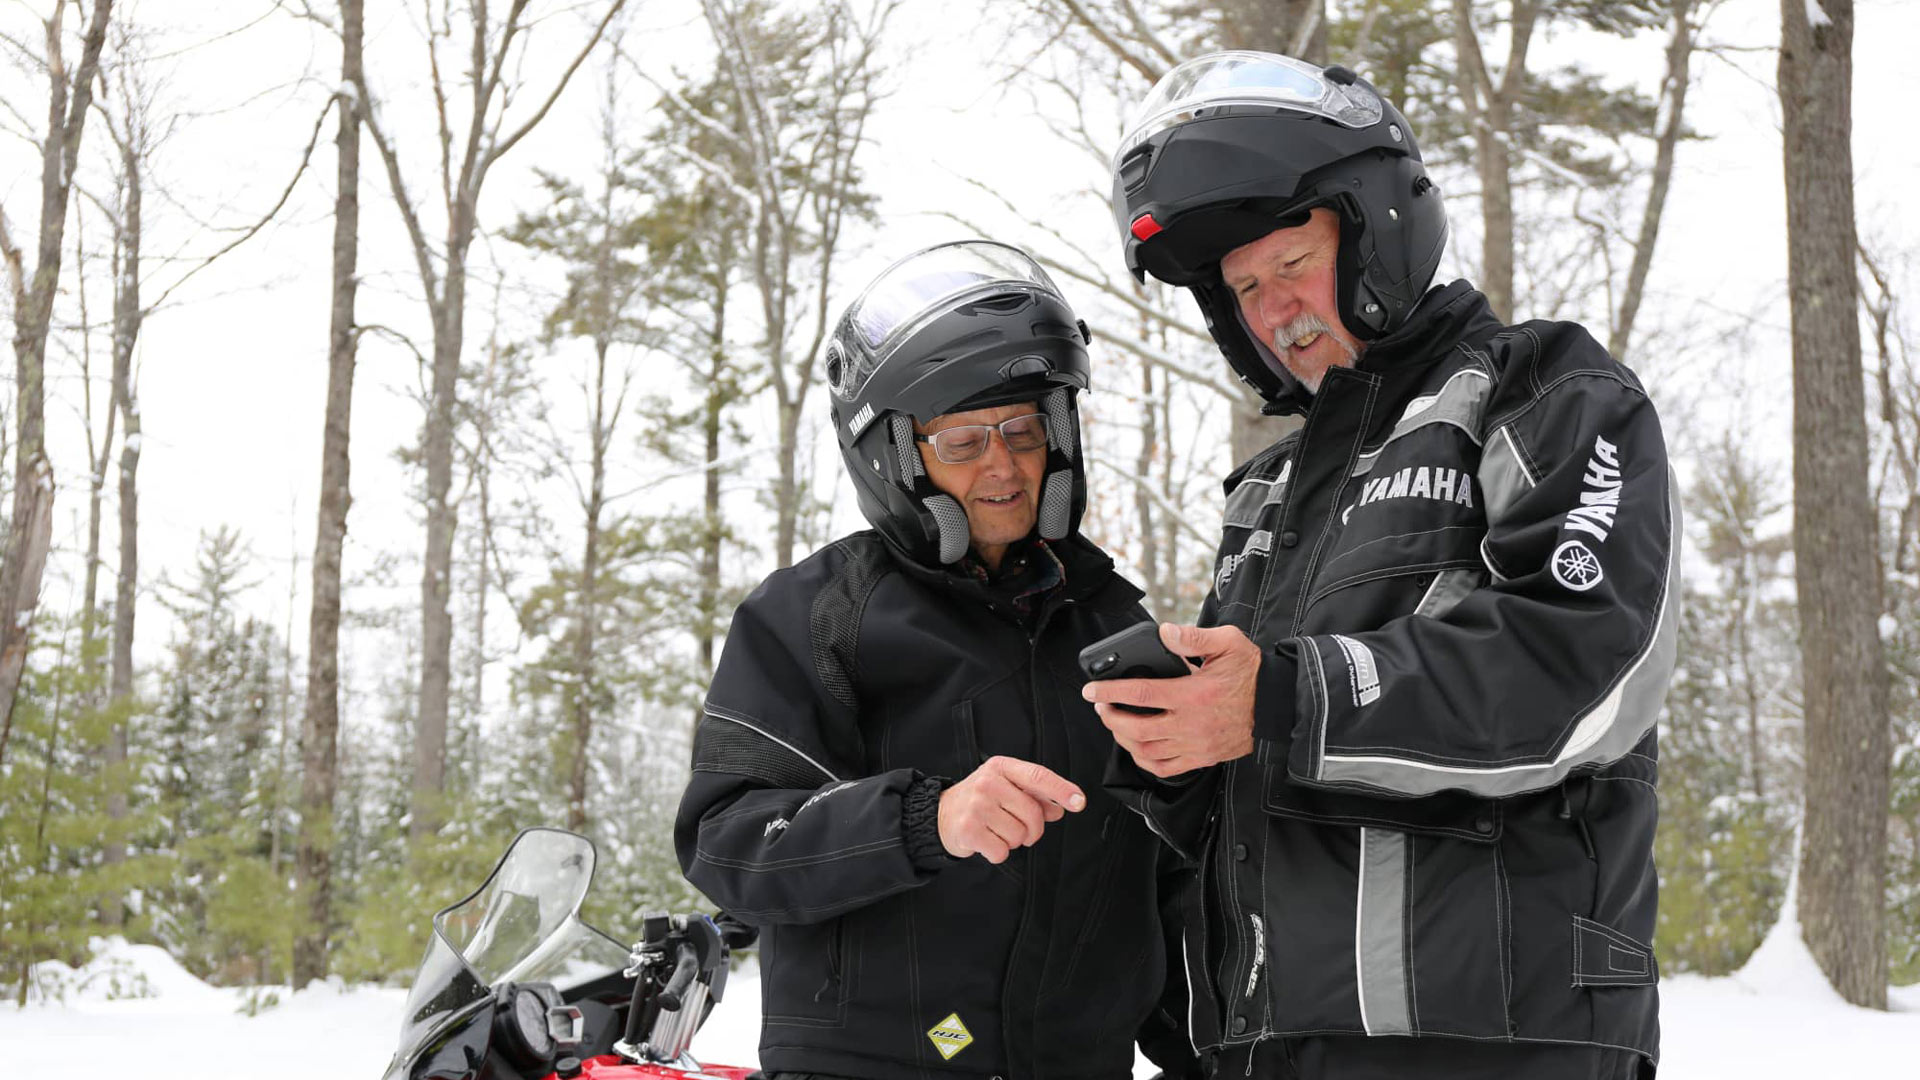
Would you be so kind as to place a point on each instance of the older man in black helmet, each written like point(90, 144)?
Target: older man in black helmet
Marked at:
point(896, 777)
point(1417, 758)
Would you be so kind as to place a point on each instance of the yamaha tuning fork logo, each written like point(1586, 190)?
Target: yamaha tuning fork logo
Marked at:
point(1576, 566)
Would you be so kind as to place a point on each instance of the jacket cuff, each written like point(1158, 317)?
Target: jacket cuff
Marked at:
point(921, 819)
point(1274, 694)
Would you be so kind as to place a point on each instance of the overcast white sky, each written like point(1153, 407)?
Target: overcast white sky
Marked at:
point(232, 376)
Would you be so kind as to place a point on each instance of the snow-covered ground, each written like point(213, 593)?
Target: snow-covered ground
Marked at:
point(1776, 1018)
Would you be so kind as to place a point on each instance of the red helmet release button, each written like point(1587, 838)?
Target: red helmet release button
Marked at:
point(1144, 227)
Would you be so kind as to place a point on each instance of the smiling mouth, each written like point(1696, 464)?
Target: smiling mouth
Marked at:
point(1002, 500)
point(1305, 342)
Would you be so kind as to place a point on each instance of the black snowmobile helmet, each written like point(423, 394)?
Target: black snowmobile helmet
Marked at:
point(955, 327)
point(1230, 146)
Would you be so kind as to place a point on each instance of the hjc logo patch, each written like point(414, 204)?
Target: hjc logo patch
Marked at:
point(950, 1036)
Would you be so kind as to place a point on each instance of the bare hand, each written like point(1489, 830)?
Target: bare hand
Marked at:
point(1004, 804)
point(1208, 715)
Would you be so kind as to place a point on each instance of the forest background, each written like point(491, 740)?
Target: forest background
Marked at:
point(419, 386)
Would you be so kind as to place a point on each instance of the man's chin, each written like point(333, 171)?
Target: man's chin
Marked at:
point(999, 533)
point(1311, 370)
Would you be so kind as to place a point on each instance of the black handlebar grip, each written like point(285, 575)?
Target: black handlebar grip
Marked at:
point(673, 995)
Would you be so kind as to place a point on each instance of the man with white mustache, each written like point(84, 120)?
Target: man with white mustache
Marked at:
point(1416, 758)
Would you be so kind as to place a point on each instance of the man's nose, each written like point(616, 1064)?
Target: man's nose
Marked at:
point(1278, 307)
point(998, 456)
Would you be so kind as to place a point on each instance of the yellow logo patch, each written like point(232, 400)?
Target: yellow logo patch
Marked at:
point(950, 1036)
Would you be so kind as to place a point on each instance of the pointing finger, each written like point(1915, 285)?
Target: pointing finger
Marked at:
point(1044, 783)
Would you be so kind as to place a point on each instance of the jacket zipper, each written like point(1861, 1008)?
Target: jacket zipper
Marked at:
point(1008, 993)
point(1579, 821)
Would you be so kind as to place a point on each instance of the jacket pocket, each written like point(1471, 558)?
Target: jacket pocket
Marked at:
point(1409, 559)
point(806, 981)
point(1450, 814)
point(1603, 956)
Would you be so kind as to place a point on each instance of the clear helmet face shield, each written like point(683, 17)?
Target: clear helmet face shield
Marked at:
point(1248, 78)
point(915, 291)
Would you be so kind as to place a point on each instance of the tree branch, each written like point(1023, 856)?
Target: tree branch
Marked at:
point(1144, 485)
point(1105, 37)
point(422, 252)
point(273, 211)
point(507, 144)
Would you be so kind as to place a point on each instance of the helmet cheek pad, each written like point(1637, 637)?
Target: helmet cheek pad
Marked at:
point(1063, 491)
point(942, 519)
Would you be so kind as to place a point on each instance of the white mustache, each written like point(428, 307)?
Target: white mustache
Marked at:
point(1307, 325)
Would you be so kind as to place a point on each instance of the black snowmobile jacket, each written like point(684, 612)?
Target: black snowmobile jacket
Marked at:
point(1463, 574)
point(850, 684)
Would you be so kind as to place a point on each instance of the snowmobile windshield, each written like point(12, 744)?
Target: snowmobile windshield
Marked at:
point(1225, 79)
point(522, 925)
point(919, 289)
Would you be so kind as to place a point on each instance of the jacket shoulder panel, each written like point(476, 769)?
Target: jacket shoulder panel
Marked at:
point(1534, 358)
point(833, 619)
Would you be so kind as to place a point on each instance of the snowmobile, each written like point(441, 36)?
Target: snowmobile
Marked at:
point(515, 986)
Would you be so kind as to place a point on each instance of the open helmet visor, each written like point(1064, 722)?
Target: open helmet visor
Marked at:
point(916, 291)
point(1247, 78)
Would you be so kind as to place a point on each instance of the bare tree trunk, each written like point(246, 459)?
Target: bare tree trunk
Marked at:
point(801, 194)
point(1166, 604)
point(585, 663)
point(710, 535)
point(1743, 596)
point(98, 457)
point(464, 170)
point(1673, 91)
point(127, 317)
point(436, 617)
point(1843, 851)
point(1143, 469)
point(30, 533)
point(788, 492)
point(319, 744)
point(1489, 110)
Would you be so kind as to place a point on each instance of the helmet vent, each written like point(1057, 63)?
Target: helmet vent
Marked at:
point(1004, 304)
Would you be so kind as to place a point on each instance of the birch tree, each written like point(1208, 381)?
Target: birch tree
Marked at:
point(802, 85)
point(468, 149)
point(137, 124)
point(30, 527)
point(596, 231)
point(695, 231)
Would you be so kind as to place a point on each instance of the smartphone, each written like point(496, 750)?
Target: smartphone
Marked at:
point(1134, 653)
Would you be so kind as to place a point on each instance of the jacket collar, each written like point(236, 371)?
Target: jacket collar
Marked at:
point(1088, 572)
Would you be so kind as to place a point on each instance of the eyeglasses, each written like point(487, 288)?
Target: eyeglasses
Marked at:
point(959, 445)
